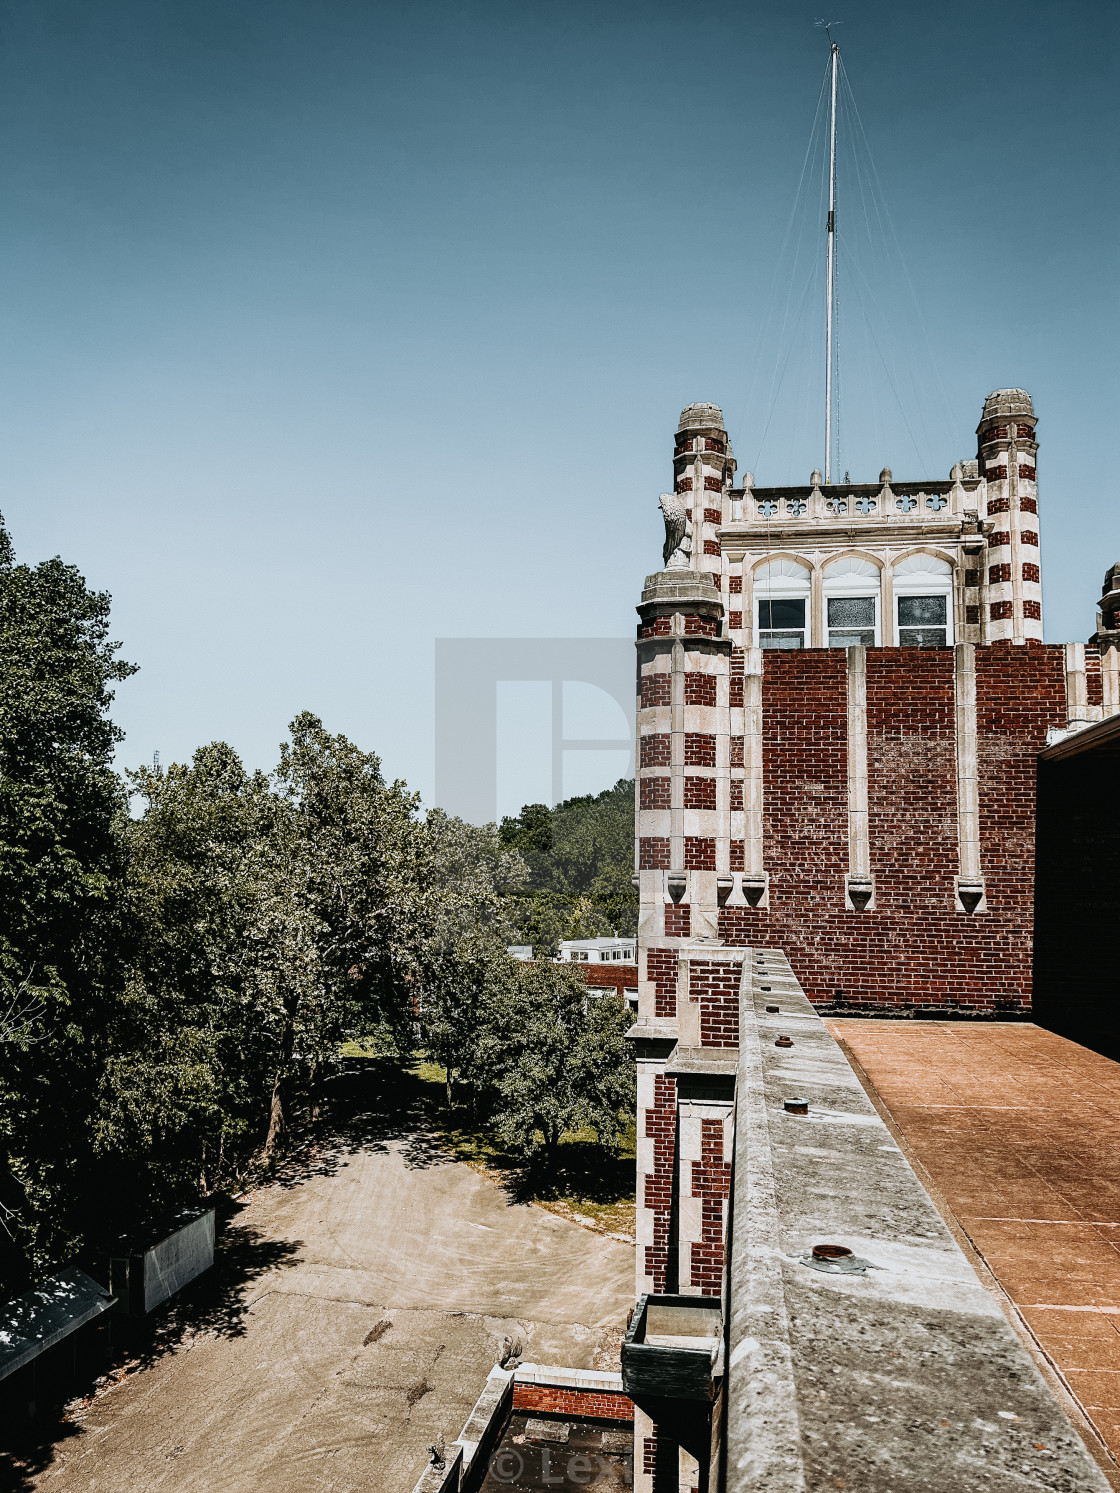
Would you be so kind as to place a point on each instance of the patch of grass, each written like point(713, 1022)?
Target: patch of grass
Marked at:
point(376, 1044)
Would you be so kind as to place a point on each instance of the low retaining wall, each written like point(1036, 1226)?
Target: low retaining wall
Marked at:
point(34, 1323)
point(144, 1272)
point(583, 1394)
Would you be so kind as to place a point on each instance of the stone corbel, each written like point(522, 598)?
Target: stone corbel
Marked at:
point(860, 893)
point(970, 895)
point(756, 890)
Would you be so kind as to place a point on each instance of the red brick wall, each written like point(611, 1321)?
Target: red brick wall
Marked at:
point(657, 689)
point(915, 950)
point(711, 1181)
point(716, 986)
point(661, 968)
point(699, 853)
point(701, 627)
point(655, 793)
point(657, 749)
point(699, 749)
point(699, 793)
point(1093, 685)
point(678, 920)
point(597, 1404)
point(660, 1122)
point(621, 974)
point(699, 689)
point(653, 853)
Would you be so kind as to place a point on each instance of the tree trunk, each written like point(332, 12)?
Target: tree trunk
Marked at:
point(315, 1085)
point(551, 1146)
point(276, 1117)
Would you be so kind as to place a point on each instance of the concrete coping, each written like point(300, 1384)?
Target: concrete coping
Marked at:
point(680, 585)
point(703, 1060)
point(489, 1413)
point(490, 1407)
point(444, 1479)
point(39, 1319)
point(562, 1378)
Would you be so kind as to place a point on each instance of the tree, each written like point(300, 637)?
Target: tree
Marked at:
point(58, 870)
point(269, 922)
point(354, 861)
point(189, 1054)
point(467, 877)
point(565, 1065)
point(581, 860)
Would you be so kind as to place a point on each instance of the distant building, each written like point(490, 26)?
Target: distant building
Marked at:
point(523, 951)
point(598, 950)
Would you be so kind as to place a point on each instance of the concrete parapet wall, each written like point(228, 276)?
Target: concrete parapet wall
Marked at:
point(902, 1373)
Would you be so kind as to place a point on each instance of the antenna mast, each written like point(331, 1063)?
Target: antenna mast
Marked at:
point(830, 272)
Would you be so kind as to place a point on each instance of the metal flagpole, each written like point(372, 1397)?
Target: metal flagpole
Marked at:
point(830, 275)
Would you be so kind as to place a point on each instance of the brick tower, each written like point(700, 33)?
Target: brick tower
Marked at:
point(1007, 452)
point(703, 471)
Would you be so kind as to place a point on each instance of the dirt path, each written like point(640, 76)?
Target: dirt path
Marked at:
point(295, 1385)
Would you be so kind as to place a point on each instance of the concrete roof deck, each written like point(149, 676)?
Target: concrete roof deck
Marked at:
point(1018, 1130)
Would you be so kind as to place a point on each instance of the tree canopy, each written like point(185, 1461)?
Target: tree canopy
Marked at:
point(580, 857)
point(184, 951)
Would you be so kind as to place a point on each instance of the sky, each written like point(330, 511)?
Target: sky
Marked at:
point(329, 330)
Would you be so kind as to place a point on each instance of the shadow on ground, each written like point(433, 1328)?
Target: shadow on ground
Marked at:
point(376, 1101)
point(370, 1104)
point(214, 1305)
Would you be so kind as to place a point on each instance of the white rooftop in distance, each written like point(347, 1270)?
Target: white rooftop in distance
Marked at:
point(598, 950)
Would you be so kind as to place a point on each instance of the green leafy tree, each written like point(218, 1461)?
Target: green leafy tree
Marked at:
point(580, 857)
point(270, 922)
point(564, 1064)
point(467, 877)
point(355, 863)
point(191, 1052)
point(58, 870)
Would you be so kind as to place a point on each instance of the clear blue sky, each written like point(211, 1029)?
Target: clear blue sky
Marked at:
point(329, 329)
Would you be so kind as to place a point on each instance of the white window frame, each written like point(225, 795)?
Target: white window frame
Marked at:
point(924, 575)
point(851, 576)
point(783, 580)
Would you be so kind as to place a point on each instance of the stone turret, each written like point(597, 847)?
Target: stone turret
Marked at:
point(704, 469)
point(1108, 609)
point(1007, 452)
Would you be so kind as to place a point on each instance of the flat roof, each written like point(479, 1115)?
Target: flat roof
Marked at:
point(37, 1320)
point(597, 943)
point(1102, 736)
point(1017, 1129)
